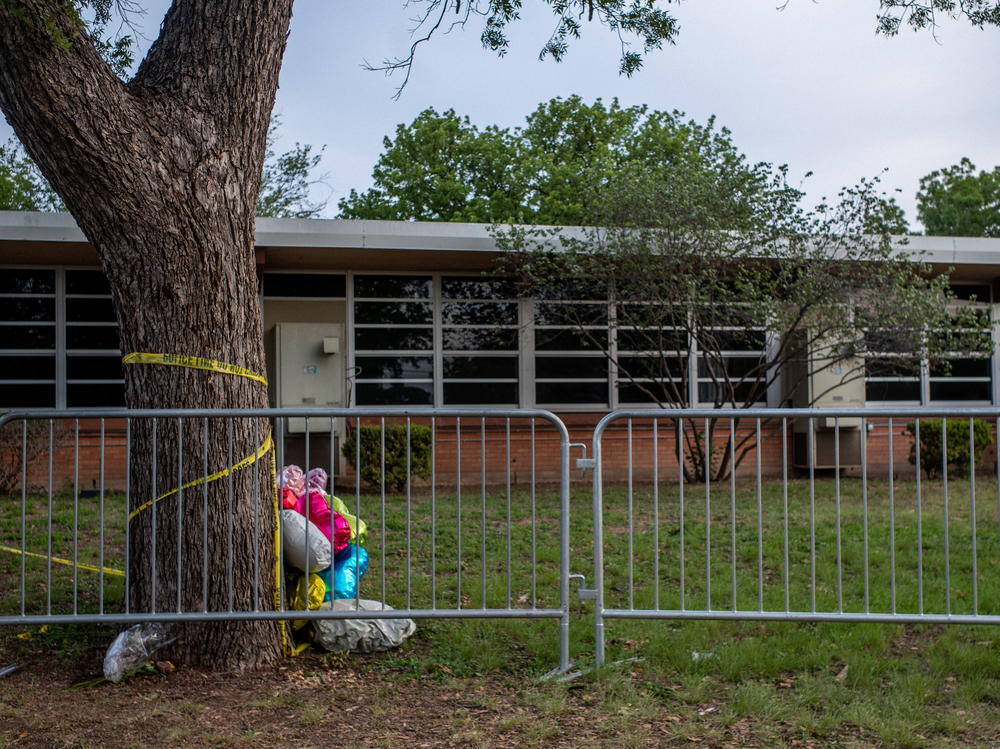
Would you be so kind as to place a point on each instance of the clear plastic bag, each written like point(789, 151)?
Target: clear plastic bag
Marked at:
point(133, 647)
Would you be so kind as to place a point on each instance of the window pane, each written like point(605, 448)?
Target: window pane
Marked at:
point(94, 368)
point(27, 336)
point(480, 367)
point(473, 287)
point(631, 393)
point(27, 281)
point(388, 339)
point(652, 366)
point(394, 394)
point(961, 368)
point(950, 390)
point(27, 396)
point(595, 393)
point(95, 396)
point(393, 287)
point(892, 367)
point(329, 285)
point(732, 340)
point(570, 367)
point(28, 368)
point(28, 309)
point(965, 292)
point(569, 339)
point(741, 391)
point(92, 336)
point(570, 314)
point(654, 339)
point(889, 390)
point(402, 313)
point(394, 367)
point(90, 310)
point(480, 393)
point(479, 313)
point(479, 339)
point(87, 282)
point(733, 366)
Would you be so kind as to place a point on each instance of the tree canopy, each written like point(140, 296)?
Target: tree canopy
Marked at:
point(22, 186)
point(442, 167)
point(958, 202)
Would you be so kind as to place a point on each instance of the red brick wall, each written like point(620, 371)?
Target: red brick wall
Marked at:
point(80, 453)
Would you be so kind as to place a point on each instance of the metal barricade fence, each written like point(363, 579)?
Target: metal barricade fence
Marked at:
point(796, 515)
point(466, 512)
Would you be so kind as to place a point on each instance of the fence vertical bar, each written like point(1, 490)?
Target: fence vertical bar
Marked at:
point(507, 463)
point(100, 498)
point(256, 517)
point(760, 526)
point(920, 520)
point(680, 499)
point(598, 550)
point(409, 515)
point(534, 529)
point(656, 517)
point(892, 521)
point(972, 510)
point(48, 534)
point(307, 503)
point(482, 516)
point(357, 499)
point(433, 513)
point(76, 513)
point(128, 510)
point(706, 466)
point(864, 508)
point(24, 510)
point(180, 511)
point(784, 506)
point(631, 527)
point(152, 555)
point(944, 492)
point(229, 514)
point(382, 498)
point(812, 516)
point(458, 510)
point(204, 516)
point(564, 511)
point(836, 489)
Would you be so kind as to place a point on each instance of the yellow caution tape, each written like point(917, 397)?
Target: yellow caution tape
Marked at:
point(70, 562)
point(192, 362)
point(249, 460)
point(213, 365)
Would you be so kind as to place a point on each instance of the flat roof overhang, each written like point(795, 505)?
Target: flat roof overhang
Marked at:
point(32, 238)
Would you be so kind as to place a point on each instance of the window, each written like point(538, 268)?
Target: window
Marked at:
point(393, 340)
point(28, 338)
point(479, 342)
point(652, 357)
point(304, 285)
point(895, 373)
point(58, 340)
point(571, 346)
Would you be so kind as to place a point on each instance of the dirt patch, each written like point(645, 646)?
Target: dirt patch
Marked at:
point(312, 700)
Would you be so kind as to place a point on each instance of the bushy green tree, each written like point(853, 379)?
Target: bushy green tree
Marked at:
point(958, 202)
point(443, 168)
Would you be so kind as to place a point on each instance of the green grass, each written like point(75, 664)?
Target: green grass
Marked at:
point(854, 684)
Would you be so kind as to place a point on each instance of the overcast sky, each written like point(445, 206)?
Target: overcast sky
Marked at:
point(810, 86)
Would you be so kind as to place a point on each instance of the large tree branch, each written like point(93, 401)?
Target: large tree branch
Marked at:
point(50, 73)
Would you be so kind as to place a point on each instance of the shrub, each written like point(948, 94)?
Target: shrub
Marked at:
point(395, 454)
point(958, 444)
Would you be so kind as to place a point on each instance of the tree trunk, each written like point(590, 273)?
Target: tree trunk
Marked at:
point(162, 176)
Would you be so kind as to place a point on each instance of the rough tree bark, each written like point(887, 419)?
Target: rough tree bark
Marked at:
point(162, 175)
